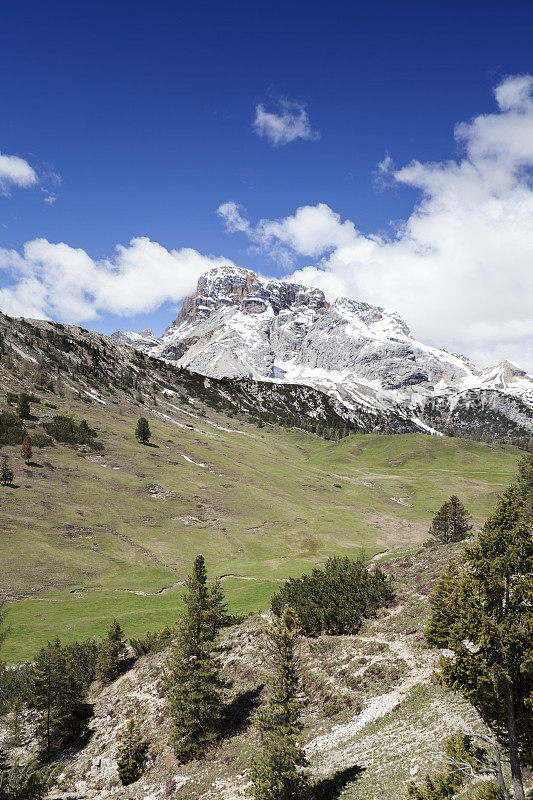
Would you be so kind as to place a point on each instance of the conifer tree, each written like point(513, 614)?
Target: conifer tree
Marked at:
point(219, 608)
point(6, 475)
point(131, 753)
point(111, 655)
point(59, 694)
point(142, 431)
point(26, 449)
point(443, 604)
point(277, 771)
point(490, 630)
point(525, 485)
point(451, 523)
point(193, 672)
point(23, 406)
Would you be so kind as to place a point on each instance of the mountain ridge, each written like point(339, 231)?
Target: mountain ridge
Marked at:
point(238, 324)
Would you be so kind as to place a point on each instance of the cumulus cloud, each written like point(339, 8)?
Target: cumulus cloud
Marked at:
point(56, 281)
point(15, 171)
point(460, 268)
point(288, 124)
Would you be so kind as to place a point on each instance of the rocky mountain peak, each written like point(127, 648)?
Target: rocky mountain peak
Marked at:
point(235, 286)
point(238, 324)
point(380, 320)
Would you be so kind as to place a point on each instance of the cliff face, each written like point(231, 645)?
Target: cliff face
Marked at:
point(222, 288)
point(240, 325)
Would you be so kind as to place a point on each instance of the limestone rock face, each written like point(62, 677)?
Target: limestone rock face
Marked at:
point(238, 324)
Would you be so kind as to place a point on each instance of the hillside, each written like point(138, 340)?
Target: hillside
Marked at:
point(365, 697)
point(89, 535)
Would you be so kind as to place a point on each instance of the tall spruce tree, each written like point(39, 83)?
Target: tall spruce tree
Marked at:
point(489, 620)
point(142, 431)
point(194, 684)
point(111, 656)
point(451, 523)
point(277, 771)
point(59, 694)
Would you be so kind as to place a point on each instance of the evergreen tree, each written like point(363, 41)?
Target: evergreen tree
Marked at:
point(451, 523)
point(6, 475)
point(59, 694)
point(277, 769)
point(23, 406)
point(111, 656)
point(142, 431)
point(25, 781)
point(464, 762)
point(131, 753)
point(193, 672)
point(490, 630)
point(443, 604)
point(26, 449)
point(84, 428)
point(525, 485)
point(219, 608)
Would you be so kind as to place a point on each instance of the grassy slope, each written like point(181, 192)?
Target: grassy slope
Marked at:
point(80, 542)
point(373, 714)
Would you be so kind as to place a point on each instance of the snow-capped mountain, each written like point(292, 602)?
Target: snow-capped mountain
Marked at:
point(240, 325)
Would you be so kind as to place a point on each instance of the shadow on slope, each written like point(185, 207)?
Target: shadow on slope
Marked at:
point(331, 788)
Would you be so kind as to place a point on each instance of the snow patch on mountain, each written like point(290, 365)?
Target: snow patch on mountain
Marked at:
point(241, 325)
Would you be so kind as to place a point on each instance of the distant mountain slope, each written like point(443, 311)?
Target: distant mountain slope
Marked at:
point(240, 325)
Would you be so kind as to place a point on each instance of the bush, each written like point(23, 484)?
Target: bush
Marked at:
point(42, 440)
point(11, 428)
point(65, 429)
point(335, 599)
point(152, 642)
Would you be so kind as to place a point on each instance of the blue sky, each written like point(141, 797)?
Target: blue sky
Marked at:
point(137, 120)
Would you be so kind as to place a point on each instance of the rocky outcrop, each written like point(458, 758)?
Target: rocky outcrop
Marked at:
point(240, 325)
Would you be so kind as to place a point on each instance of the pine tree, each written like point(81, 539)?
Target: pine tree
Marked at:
point(451, 523)
point(277, 770)
point(194, 685)
point(142, 431)
point(23, 406)
point(6, 475)
point(219, 608)
point(525, 485)
point(131, 753)
point(111, 656)
point(490, 630)
point(26, 449)
point(443, 604)
point(84, 428)
point(59, 694)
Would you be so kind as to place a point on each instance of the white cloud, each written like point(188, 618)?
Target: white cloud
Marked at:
point(460, 268)
point(15, 171)
point(56, 281)
point(290, 123)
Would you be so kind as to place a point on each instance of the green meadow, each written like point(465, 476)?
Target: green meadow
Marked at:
point(86, 537)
